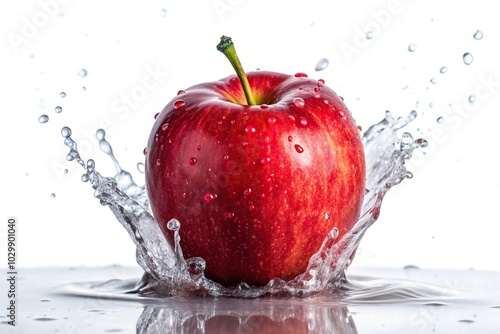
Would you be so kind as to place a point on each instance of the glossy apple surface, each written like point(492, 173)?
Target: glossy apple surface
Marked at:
point(255, 188)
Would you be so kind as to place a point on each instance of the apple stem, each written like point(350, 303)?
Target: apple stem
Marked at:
point(226, 46)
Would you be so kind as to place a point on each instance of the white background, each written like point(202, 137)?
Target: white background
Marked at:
point(445, 217)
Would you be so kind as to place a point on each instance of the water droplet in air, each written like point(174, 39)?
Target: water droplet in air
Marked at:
point(82, 73)
point(369, 35)
point(85, 178)
point(247, 191)
point(300, 75)
point(412, 47)
point(478, 35)
point(192, 161)
point(173, 225)
point(43, 119)
point(443, 70)
point(158, 162)
point(322, 64)
point(178, 104)
point(100, 134)
point(299, 148)
point(433, 80)
point(53, 195)
point(472, 99)
point(271, 120)
point(163, 12)
point(299, 102)
point(141, 167)
point(250, 129)
point(62, 94)
point(440, 120)
point(66, 132)
point(58, 109)
point(467, 58)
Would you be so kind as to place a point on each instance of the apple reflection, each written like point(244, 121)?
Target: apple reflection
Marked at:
point(228, 315)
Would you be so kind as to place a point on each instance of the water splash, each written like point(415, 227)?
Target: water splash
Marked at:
point(168, 273)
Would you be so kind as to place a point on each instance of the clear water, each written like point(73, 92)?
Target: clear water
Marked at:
point(168, 273)
point(406, 300)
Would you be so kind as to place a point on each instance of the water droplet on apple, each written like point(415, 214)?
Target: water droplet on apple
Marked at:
point(316, 95)
point(173, 225)
point(250, 129)
point(43, 119)
point(291, 117)
point(156, 115)
point(141, 167)
point(264, 106)
point(209, 196)
point(303, 121)
point(299, 148)
point(321, 83)
point(62, 94)
point(322, 64)
point(199, 147)
point(158, 162)
point(164, 126)
point(325, 101)
point(440, 120)
point(472, 99)
point(443, 70)
point(300, 75)
point(265, 160)
point(299, 102)
point(412, 47)
point(192, 161)
point(66, 132)
point(145, 151)
point(478, 35)
point(247, 191)
point(181, 92)
point(179, 104)
point(290, 139)
point(226, 157)
point(467, 58)
point(271, 120)
point(251, 208)
point(230, 215)
point(58, 109)
point(327, 215)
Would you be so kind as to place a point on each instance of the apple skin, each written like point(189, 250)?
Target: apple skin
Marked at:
point(255, 188)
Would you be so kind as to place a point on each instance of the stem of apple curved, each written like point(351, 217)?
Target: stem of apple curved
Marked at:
point(226, 46)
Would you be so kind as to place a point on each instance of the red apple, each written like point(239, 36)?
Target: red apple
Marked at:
point(256, 186)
